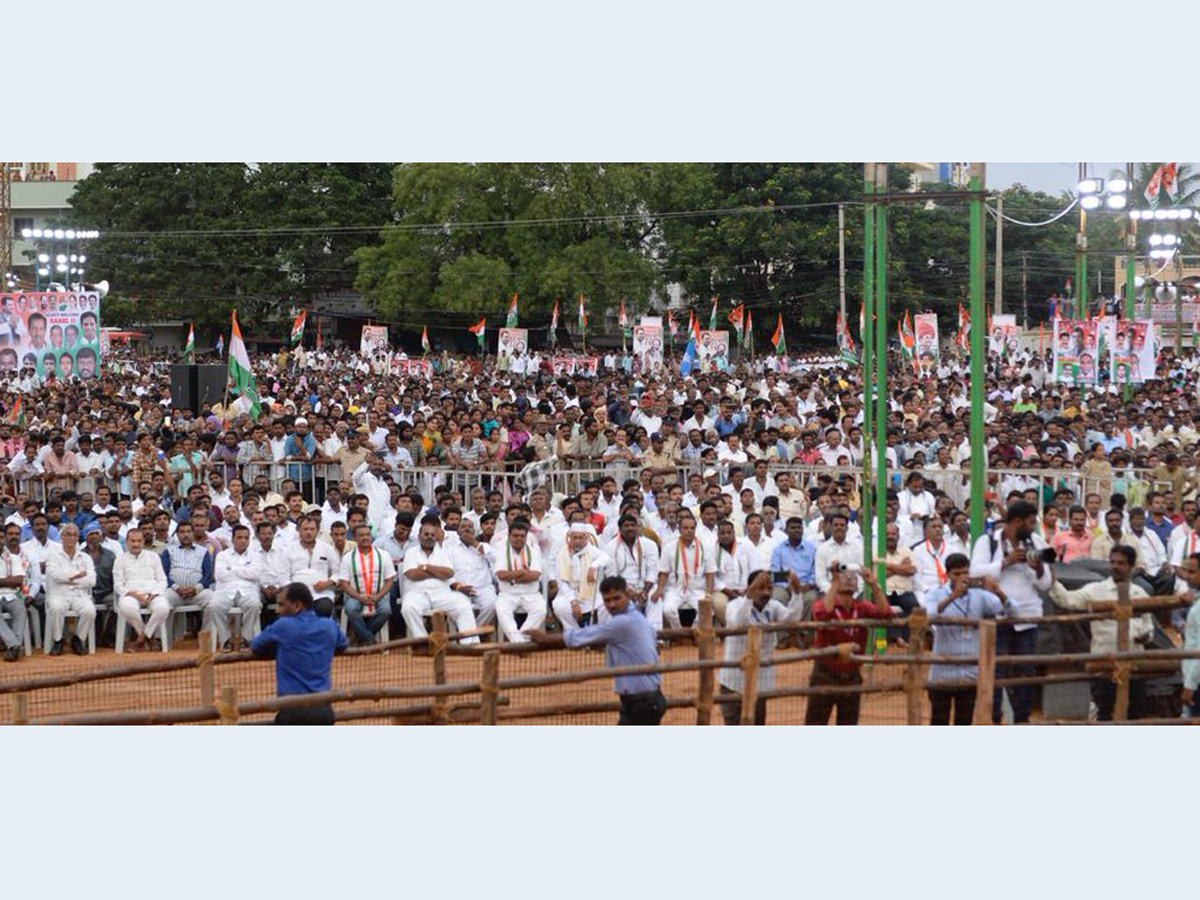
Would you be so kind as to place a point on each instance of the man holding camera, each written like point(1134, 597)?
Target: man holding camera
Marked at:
point(839, 604)
point(1012, 556)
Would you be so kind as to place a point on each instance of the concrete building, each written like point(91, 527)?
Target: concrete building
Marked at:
point(41, 195)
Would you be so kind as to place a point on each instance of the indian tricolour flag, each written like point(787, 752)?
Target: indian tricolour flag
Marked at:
point(189, 349)
point(582, 315)
point(512, 313)
point(479, 329)
point(240, 375)
point(425, 345)
point(298, 328)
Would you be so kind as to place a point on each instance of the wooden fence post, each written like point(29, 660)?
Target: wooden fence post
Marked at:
point(437, 646)
point(1122, 670)
point(207, 689)
point(487, 687)
point(227, 706)
point(706, 644)
point(750, 667)
point(985, 683)
point(918, 623)
point(21, 708)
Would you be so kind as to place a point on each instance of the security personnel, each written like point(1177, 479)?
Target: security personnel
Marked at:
point(303, 646)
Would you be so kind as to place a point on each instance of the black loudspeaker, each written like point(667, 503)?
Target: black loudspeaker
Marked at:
point(193, 386)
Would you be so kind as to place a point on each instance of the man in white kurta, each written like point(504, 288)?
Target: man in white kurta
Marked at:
point(685, 575)
point(70, 577)
point(519, 574)
point(139, 581)
point(428, 571)
point(474, 562)
point(577, 573)
point(236, 583)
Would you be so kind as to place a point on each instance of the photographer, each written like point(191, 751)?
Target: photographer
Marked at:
point(1012, 557)
point(838, 604)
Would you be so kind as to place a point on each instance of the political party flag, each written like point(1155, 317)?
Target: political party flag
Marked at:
point(425, 345)
point(748, 333)
point(512, 313)
point(846, 349)
point(908, 340)
point(240, 374)
point(963, 339)
point(16, 415)
point(189, 349)
point(554, 325)
point(582, 315)
point(737, 319)
point(479, 328)
point(779, 339)
point(220, 345)
point(298, 328)
point(1170, 180)
point(712, 319)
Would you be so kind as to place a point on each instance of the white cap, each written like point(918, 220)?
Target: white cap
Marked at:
point(581, 528)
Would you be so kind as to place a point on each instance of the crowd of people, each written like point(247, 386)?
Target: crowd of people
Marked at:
point(503, 494)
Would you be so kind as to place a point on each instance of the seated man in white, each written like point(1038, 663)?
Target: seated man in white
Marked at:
point(236, 583)
point(576, 575)
point(474, 562)
point(70, 577)
point(315, 564)
point(428, 572)
point(519, 574)
point(634, 557)
point(367, 576)
point(685, 574)
point(734, 562)
point(139, 581)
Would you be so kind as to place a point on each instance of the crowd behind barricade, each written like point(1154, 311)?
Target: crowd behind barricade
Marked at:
point(497, 494)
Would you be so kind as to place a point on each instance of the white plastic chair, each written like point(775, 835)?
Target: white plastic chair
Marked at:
point(164, 630)
point(27, 641)
point(69, 614)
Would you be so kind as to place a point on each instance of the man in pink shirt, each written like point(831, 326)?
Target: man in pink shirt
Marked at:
point(1076, 542)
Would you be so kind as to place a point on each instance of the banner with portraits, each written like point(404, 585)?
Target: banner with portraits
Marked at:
point(648, 346)
point(713, 343)
point(925, 326)
point(512, 342)
point(1081, 348)
point(53, 332)
point(1134, 351)
point(374, 340)
point(413, 368)
point(575, 365)
point(1003, 335)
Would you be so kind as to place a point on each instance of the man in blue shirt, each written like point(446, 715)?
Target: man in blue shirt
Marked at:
point(629, 641)
point(303, 646)
point(794, 565)
point(958, 597)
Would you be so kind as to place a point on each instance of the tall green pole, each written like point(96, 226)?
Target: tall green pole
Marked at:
point(1130, 270)
point(978, 318)
point(881, 404)
point(868, 339)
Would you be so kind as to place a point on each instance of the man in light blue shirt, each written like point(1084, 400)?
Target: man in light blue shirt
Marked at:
point(794, 565)
point(629, 641)
point(959, 598)
point(1189, 571)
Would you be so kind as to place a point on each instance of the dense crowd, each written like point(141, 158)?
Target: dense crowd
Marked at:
point(495, 492)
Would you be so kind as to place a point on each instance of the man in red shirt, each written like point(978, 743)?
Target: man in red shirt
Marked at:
point(834, 671)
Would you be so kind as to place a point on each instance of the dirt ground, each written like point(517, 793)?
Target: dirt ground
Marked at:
point(255, 680)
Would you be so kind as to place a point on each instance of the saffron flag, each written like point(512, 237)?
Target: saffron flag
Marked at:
point(779, 340)
point(907, 338)
point(425, 345)
point(963, 339)
point(298, 328)
point(512, 313)
point(479, 328)
point(748, 334)
point(554, 325)
point(239, 370)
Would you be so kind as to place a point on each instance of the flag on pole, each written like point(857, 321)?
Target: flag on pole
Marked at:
point(695, 333)
point(512, 313)
point(862, 323)
point(240, 374)
point(425, 345)
point(16, 415)
point(478, 330)
point(1041, 338)
point(737, 319)
point(963, 339)
point(691, 323)
point(298, 328)
point(779, 339)
point(1152, 189)
point(846, 349)
point(1170, 180)
point(554, 326)
point(688, 363)
point(908, 340)
point(672, 325)
point(319, 334)
point(582, 315)
point(748, 334)
point(189, 349)
point(220, 345)
point(712, 319)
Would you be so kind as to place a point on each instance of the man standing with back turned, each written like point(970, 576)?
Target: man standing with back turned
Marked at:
point(303, 645)
point(629, 641)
